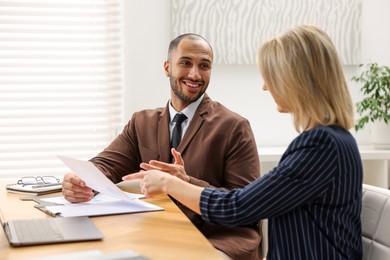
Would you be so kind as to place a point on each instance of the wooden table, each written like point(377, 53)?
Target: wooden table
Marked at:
point(164, 234)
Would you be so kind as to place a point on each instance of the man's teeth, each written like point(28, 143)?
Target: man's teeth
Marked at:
point(192, 85)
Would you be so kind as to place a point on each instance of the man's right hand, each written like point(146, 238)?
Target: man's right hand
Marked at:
point(75, 189)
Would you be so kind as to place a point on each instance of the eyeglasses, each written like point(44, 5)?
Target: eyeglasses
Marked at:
point(39, 180)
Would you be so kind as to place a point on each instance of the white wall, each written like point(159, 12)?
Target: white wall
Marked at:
point(238, 87)
point(376, 31)
point(146, 38)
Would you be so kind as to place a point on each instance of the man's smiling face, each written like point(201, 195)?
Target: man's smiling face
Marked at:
point(189, 70)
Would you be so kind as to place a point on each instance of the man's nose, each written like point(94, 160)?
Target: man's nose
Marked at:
point(194, 73)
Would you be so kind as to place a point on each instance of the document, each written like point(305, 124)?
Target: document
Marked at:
point(93, 177)
point(110, 200)
point(100, 205)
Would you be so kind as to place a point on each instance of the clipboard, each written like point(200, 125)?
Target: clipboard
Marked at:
point(41, 204)
point(110, 200)
point(100, 205)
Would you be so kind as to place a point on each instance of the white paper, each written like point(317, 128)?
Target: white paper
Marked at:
point(110, 200)
point(93, 177)
point(99, 198)
point(99, 209)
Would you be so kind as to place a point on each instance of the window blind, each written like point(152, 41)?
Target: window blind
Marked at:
point(60, 82)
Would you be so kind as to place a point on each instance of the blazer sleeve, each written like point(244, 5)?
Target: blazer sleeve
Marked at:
point(302, 176)
point(122, 156)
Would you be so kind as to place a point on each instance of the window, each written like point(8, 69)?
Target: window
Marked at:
point(60, 82)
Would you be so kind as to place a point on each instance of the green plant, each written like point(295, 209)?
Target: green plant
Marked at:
point(375, 105)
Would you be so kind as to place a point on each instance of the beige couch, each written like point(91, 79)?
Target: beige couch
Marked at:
point(376, 223)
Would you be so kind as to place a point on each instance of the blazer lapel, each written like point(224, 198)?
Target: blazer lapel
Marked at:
point(195, 124)
point(163, 137)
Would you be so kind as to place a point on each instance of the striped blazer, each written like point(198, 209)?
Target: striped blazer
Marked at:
point(312, 199)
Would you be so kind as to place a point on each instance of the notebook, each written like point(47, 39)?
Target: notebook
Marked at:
point(39, 231)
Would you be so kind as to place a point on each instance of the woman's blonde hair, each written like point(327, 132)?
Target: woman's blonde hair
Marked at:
point(302, 70)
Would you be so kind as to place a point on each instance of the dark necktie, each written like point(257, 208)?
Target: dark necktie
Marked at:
point(176, 131)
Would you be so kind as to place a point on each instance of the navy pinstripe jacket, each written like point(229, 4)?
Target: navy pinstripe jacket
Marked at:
point(312, 199)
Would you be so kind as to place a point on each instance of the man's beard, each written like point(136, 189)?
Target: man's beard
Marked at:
point(181, 95)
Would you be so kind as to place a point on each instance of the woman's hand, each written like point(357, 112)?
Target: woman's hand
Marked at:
point(153, 182)
point(164, 178)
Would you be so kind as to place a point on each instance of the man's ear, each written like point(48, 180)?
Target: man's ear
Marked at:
point(166, 68)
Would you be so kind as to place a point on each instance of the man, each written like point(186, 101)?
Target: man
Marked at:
point(217, 145)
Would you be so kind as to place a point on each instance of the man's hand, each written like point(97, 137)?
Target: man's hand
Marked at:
point(176, 169)
point(75, 190)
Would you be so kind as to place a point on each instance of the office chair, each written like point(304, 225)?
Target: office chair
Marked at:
point(375, 218)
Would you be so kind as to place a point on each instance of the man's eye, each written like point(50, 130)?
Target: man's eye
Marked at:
point(205, 66)
point(184, 63)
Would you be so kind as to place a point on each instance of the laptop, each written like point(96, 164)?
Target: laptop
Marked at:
point(39, 231)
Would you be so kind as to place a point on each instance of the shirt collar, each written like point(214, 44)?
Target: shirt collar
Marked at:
point(189, 111)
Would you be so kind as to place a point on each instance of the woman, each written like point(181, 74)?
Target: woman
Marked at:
point(312, 199)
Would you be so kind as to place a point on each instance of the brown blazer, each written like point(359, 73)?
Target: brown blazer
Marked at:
point(218, 149)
